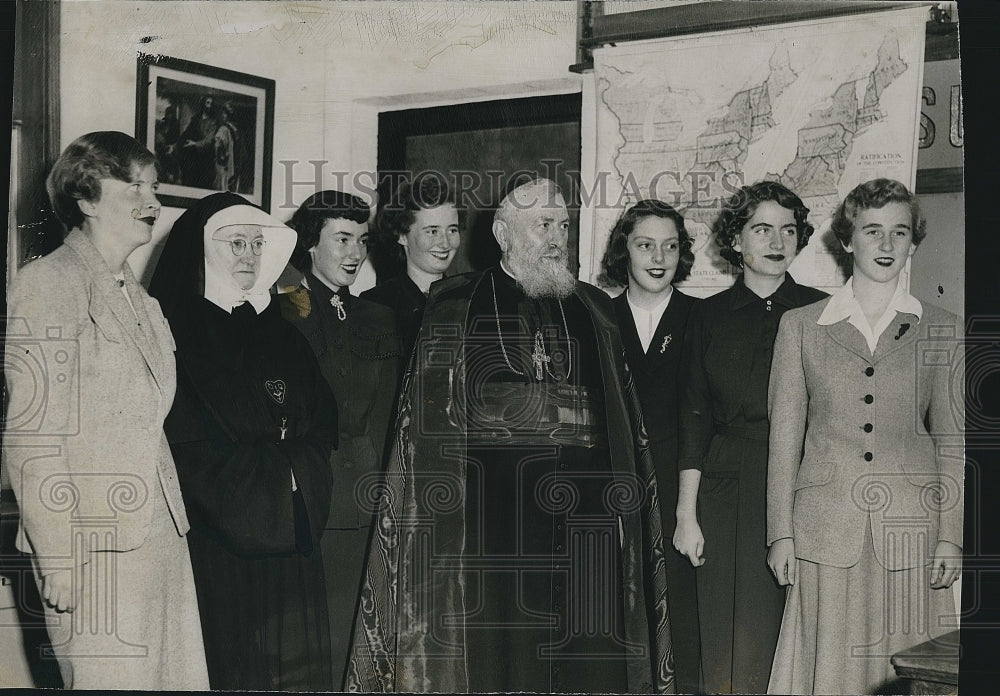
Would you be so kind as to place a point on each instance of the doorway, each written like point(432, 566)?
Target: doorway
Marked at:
point(478, 148)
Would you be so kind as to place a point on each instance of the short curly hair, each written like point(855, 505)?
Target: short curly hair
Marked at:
point(77, 173)
point(616, 258)
point(310, 217)
point(876, 194)
point(742, 205)
point(398, 212)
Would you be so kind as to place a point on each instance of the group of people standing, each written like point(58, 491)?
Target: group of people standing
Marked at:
point(497, 481)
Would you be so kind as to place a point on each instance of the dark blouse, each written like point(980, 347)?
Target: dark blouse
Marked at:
point(727, 362)
point(404, 298)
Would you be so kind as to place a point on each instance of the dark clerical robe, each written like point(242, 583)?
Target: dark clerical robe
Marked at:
point(243, 380)
point(518, 545)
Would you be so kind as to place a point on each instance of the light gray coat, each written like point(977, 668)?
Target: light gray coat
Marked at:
point(858, 438)
point(89, 385)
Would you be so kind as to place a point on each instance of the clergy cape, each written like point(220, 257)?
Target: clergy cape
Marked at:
point(404, 639)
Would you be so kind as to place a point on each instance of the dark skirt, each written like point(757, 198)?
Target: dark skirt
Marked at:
point(263, 618)
point(739, 602)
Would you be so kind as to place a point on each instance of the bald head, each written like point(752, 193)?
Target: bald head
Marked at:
point(532, 228)
point(538, 193)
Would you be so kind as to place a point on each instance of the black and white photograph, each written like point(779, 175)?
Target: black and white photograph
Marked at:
point(455, 346)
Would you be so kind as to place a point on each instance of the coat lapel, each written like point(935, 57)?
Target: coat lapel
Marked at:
point(901, 332)
point(630, 336)
point(849, 337)
point(136, 325)
point(665, 343)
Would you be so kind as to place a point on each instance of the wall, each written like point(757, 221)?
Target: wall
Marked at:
point(335, 64)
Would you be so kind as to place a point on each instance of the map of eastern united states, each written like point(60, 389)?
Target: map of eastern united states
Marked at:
point(825, 143)
point(652, 117)
point(723, 144)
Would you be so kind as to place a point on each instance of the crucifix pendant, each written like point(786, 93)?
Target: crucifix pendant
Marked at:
point(538, 357)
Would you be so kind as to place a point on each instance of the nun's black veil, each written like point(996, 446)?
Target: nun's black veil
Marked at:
point(180, 272)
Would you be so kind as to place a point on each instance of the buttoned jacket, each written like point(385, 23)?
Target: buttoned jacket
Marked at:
point(89, 383)
point(858, 438)
point(359, 357)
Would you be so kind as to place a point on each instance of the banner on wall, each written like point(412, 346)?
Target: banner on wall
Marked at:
point(820, 106)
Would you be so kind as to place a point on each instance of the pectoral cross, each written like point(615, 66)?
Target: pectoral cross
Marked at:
point(538, 357)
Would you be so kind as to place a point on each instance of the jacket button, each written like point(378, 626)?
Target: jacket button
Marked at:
point(869, 456)
point(869, 371)
point(869, 398)
point(869, 427)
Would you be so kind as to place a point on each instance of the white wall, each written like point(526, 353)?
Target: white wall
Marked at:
point(335, 64)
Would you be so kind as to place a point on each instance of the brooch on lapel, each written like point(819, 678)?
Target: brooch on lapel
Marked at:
point(903, 328)
point(276, 389)
point(666, 342)
point(338, 304)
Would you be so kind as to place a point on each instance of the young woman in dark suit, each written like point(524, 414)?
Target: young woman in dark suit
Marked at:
point(647, 252)
point(358, 351)
point(865, 476)
point(721, 504)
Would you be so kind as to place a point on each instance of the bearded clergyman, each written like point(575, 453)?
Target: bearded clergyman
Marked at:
point(518, 543)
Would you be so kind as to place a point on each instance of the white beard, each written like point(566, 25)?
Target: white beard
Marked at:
point(540, 277)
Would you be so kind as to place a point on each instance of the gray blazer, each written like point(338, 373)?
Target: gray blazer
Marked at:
point(89, 385)
point(858, 439)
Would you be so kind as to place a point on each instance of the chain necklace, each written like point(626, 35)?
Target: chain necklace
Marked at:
point(539, 357)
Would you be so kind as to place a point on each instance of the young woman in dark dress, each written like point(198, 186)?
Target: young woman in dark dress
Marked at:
point(417, 229)
point(251, 430)
point(647, 252)
point(721, 504)
point(355, 342)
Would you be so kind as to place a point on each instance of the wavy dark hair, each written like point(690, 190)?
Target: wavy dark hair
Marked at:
point(616, 258)
point(876, 193)
point(398, 212)
point(738, 210)
point(77, 173)
point(310, 217)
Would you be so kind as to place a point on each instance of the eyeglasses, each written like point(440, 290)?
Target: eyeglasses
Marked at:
point(239, 245)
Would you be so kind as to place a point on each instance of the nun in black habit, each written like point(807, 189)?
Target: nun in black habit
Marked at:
point(251, 430)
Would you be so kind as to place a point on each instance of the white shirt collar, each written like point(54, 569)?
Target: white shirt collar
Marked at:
point(646, 320)
point(844, 305)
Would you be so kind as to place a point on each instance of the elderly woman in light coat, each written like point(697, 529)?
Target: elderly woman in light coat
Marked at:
point(865, 475)
point(90, 374)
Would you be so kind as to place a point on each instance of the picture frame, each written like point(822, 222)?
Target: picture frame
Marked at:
point(211, 129)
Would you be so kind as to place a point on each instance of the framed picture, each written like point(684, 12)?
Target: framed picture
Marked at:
point(211, 129)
